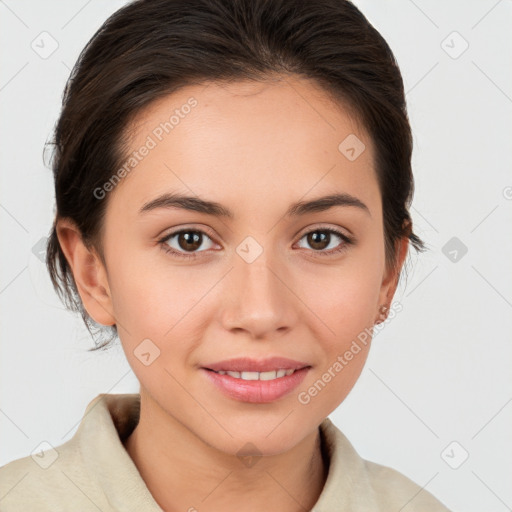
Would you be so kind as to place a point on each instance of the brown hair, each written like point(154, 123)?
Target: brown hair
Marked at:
point(152, 48)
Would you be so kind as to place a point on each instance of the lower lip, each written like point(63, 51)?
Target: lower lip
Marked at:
point(256, 391)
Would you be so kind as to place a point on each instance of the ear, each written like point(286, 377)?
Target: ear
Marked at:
point(391, 278)
point(88, 271)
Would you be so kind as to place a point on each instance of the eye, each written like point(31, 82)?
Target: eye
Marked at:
point(321, 238)
point(186, 243)
point(183, 241)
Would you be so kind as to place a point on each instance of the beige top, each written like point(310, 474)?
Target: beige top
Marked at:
point(92, 471)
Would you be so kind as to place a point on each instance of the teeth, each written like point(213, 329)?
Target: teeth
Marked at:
point(276, 374)
point(267, 375)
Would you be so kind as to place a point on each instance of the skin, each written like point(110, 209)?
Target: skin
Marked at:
point(255, 148)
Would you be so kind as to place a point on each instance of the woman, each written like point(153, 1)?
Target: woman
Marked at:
point(232, 182)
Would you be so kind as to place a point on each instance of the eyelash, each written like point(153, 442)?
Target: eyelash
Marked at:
point(346, 242)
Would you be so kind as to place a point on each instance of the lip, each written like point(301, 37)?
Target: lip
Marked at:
point(246, 364)
point(256, 391)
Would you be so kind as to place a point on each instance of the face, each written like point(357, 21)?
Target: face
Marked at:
point(189, 287)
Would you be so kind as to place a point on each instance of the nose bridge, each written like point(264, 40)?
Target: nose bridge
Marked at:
point(259, 300)
point(255, 275)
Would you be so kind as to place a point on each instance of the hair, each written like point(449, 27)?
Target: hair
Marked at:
point(151, 48)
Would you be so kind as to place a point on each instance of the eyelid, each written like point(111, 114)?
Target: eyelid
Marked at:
point(322, 227)
point(185, 227)
point(211, 234)
point(347, 239)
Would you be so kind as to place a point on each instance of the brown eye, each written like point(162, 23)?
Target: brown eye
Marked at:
point(189, 240)
point(324, 241)
point(318, 240)
point(186, 241)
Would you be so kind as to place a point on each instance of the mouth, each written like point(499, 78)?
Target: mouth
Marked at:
point(256, 369)
point(256, 380)
point(246, 375)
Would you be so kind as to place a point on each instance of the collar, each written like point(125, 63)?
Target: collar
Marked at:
point(107, 421)
point(110, 418)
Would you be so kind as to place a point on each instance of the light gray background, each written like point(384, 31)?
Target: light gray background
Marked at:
point(438, 372)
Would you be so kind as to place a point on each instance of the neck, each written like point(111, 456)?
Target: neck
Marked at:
point(182, 472)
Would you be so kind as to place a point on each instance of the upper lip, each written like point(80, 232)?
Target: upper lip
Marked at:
point(246, 364)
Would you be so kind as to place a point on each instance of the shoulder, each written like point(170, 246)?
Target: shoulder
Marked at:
point(397, 492)
point(354, 483)
point(89, 472)
point(39, 478)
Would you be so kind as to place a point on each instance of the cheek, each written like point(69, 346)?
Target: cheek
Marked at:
point(157, 300)
point(150, 307)
point(344, 297)
point(345, 305)
point(144, 299)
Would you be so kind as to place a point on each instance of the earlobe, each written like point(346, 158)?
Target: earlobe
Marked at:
point(88, 271)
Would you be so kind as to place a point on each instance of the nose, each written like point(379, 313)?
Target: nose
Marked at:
point(258, 297)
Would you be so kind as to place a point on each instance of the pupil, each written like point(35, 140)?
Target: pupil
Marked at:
point(317, 239)
point(191, 242)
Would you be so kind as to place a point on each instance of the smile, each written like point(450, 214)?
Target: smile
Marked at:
point(270, 375)
point(256, 387)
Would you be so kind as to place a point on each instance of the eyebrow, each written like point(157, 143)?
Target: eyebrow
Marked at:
point(196, 204)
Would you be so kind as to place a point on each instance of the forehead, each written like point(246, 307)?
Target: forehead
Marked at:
point(298, 104)
point(283, 135)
